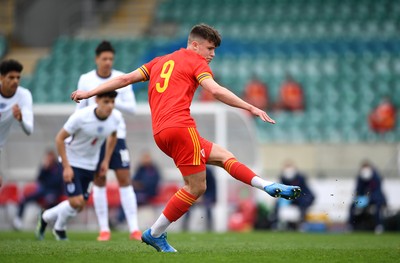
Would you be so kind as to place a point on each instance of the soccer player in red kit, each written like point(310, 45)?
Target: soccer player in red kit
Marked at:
point(174, 79)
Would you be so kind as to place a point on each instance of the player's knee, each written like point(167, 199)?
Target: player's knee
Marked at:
point(99, 181)
point(199, 189)
point(77, 203)
point(124, 183)
point(227, 155)
point(123, 179)
point(219, 155)
point(203, 189)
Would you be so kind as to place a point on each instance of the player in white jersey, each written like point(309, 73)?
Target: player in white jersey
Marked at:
point(78, 144)
point(15, 102)
point(120, 161)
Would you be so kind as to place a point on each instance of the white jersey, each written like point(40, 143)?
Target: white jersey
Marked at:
point(125, 101)
point(23, 98)
point(88, 133)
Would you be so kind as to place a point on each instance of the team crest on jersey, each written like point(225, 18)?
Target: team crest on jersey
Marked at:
point(100, 129)
point(2, 105)
point(71, 188)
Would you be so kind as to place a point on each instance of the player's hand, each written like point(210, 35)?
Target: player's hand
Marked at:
point(262, 114)
point(68, 174)
point(78, 95)
point(103, 169)
point(17, 112)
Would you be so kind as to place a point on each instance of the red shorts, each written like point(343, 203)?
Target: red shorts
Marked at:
point(189, 151)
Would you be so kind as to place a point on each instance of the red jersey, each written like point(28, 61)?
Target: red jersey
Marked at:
point(174, 79)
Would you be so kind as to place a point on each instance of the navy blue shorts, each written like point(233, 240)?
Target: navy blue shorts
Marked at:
point(120, 157)
point(81, 183)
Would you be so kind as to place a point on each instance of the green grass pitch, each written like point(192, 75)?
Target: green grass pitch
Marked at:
point(205, 247)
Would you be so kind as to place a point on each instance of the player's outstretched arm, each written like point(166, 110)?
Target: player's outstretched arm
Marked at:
point(226, 96)
point(112, 84)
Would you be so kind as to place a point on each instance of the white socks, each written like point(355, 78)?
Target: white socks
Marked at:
point(129, 204)
point(66, 213)
point(101, 207)
point(260, 183)
point(50, 215)
point(160, 226)
point(60, 214)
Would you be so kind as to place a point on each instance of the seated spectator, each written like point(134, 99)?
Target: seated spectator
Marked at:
point(207, 200)
point(256, 93)
point(383, 117)
point(291, 96)
point(49, 189)
point(291, 176)
point(369, 200)
point(146, 179)
point(244, 218)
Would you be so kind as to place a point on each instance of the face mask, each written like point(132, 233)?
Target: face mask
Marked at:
point(289, 172)
point(366, 173)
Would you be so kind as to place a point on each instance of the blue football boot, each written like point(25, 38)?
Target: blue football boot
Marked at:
point(285, 191)
point(159, 243)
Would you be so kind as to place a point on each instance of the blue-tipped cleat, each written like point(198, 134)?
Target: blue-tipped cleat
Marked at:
point(289, 192)
point(159, 243)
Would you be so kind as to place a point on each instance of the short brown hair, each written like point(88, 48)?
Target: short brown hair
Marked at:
point(103, 47)
point(205, 32)
point(110, 94)
point(7, 66)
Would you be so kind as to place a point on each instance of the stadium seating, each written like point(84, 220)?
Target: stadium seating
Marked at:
point(3, 46)
point(345, 54)
point(9, 194)
point(165, 193)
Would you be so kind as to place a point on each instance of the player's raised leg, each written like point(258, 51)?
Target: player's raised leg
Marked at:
point(221, 157)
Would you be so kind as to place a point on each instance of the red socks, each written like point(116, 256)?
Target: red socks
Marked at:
point(239, 171)
point(178, 205)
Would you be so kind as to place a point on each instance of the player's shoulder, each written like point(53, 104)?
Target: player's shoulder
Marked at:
point(23, 92)
point(189, 53)
point(116, 114)
point(88, 75)
point(85, 112)
point(191, 58)
point(116, 73)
